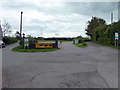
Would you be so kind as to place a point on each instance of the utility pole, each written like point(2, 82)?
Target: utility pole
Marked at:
point(119, 11)
point(21, 29)
point(1, 35)
point(111, 18)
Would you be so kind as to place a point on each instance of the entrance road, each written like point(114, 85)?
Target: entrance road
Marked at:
point(92, 67)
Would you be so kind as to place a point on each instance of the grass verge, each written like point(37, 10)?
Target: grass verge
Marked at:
point(20, 49)
point(107, 45)
point(83, 45)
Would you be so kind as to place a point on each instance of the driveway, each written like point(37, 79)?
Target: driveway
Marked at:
point(70, 67)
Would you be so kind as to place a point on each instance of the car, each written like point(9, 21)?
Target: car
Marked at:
point(2, 44)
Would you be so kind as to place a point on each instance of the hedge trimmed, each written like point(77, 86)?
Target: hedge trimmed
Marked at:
point(9, 40)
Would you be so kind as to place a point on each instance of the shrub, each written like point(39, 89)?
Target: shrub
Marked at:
point(9, 40)
point(86, 39)
point(81, 45)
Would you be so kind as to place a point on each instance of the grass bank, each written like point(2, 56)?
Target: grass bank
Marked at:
point(82, 45)
point(20, 49)
point(107, 45)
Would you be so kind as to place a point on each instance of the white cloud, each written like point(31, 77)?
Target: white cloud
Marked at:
point(29, 15)
point(60, 0)
point(55, 19)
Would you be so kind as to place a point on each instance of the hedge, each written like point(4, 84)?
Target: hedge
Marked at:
point(9, 40)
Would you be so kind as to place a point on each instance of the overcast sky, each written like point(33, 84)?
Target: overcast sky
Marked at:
point(55, 19)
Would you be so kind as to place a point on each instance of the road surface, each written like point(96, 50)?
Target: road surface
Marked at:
point(70, 67)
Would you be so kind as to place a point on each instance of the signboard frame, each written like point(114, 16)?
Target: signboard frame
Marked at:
point(116, 39)
point(76, 41)
point(26, 45)
point(116, 35)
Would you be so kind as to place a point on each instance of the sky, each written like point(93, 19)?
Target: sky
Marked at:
point(55, 18)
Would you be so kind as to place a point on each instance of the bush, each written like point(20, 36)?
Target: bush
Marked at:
point(32, 39)
point(83, 45)
point(86, 39)
point(82, 40)
point(9, 40)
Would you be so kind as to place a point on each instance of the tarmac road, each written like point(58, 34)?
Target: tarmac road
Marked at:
point(70, 67)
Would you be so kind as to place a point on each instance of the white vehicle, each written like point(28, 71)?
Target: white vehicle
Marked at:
point(2, 44)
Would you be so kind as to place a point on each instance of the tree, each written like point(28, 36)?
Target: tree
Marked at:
point(17, 34)
point(6, 28)
point(40, 38)
point(99, 34)
point(29, 36)
point(105, 34)
point(95, 22)
point(79, 37)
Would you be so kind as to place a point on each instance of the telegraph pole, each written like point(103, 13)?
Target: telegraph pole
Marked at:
point(21, 29)
point(111, 18)
point(119, 11)
point(1, 35)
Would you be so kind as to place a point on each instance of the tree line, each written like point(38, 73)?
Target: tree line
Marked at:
point(102, 33)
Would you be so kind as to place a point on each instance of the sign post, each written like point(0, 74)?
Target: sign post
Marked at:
point(26, 43)
point(76, 41)
point(116, 39)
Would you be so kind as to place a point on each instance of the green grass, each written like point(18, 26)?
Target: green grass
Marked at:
point(107, 45)
point(83, 45)
point(25, 42)
point(20, 49)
